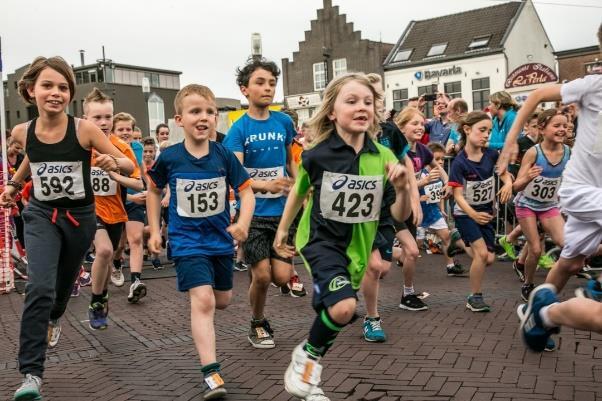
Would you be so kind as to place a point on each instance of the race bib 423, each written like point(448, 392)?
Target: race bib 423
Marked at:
point(349, 198)
point(201, 198)
point(54, 180)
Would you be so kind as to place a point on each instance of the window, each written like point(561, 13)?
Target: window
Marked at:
point(437, 49)
point(319, 76)
point(403, 55)
point(400, 99)
point(339, 67)
point(92, 74)
point(479, 42)
point(156, 112)
point(118, 76)
point(453, 89)
point(428, 90)
point(74, 108)
point(480, 93)
point(18, 114)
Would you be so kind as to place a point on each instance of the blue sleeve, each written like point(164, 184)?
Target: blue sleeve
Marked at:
point(159, 172)
point(290, 129)
point(456, 173)
point(237, 175)
point(235, 141)
point(429, 126)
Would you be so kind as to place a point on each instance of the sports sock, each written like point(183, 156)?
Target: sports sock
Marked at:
point(322, 334)
point(408, 290)
point(135, 276)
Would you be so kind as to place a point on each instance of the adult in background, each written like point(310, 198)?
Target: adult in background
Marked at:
point(438, 127)
point(503, 113)
point(457, 109)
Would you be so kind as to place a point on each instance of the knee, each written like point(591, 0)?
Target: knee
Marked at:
point(573, 266)
point(490, 258)
point(104, 253)
point(135, 240)
point(342, 312)
point(203, 302)
point(281, 278)
point(535, 250)
point(261, 278)
point(223, 301)
point(39, 292)
point(481, 255)
point(411, 252)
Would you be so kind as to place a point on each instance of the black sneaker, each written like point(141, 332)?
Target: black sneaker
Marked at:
point(452, 249)
point(240, 266)
point(413, 303)
point(213, 388)
point(525, 291)
point(261, 334)
point(157, 265)
point(456, 270)
point(520, 271)
point(476, 303)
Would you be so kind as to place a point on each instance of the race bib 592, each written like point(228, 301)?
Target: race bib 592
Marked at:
point(349, 198)
point(54, 180)
point(201, 198)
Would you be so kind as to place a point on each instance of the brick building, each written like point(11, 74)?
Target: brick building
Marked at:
point(575, 63)
point(331, 48)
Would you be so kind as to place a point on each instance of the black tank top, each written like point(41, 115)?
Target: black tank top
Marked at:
point(60, 171)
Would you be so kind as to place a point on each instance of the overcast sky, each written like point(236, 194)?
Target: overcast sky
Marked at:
point(207, 40)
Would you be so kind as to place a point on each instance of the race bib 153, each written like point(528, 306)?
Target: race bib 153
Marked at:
point(201, 198)
point(349, 198)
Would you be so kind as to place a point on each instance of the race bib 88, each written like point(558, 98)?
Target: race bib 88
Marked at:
point(266, 174)
point(349, 198)
point(434, 192)
point(479, 192)
point(54, 180)
point(543, 189)
point(102, 183)
point(201, 198)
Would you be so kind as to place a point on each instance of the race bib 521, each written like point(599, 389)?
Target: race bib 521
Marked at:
point(201, 198)
point(349, 198)
point(54, 180)
point(102, 183)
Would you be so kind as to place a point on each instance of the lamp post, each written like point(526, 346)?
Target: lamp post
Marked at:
point(256, 46)
point(146, 93)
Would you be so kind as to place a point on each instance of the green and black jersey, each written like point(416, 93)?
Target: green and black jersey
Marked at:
point(342, 215)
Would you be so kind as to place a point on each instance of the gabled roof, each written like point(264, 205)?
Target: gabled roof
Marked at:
point(457, 31)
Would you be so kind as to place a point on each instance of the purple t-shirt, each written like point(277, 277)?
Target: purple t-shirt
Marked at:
point(421, 157)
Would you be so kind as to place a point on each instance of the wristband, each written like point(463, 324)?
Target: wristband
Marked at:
point(15, 184)
point(117, 169)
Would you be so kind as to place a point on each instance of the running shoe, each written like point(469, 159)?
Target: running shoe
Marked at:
point(240, 266)
point(317, 394)
point(117, 277)
point(476, 303)
point(303, 373)
point(373, 331)
point(75, 289)
point(296, 287)
point(453, 250)
point(284, 290)
point(97, 315)
point(534, 333)
point(89, 258)
point(214, 387)
point(261, 334)
point(525, 291)
point(592, 290)
point(29, 389)
point(54, 333)
point(546, 262)
point(508, 247)
point(550, 345)
point(85, 279)
point(456, 270)
point(519, 270)
point(157, 264)
point(137, 291)
point(412, 303)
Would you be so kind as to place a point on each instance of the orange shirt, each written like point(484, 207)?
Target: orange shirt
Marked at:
point(110, 208)
point(296, 150)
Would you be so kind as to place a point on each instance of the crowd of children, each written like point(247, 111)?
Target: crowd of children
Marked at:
point(351, 196)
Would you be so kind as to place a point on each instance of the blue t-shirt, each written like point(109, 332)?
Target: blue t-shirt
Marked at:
point(138, 150)
point(437, 130)
point(500, 129)
point(476, 179)
point(199, 211)
point(430, 209)
point(263, 144)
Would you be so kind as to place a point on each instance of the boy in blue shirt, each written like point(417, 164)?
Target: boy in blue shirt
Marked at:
point(199, 173)
point(261, 139)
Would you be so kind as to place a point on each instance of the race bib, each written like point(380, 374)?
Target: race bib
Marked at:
point(201, 198)
point(349, 198)
point(102, 183)
point(54, 180)
point(266, 174)
point(543, 189)
point(434, 192)
point(479, 192)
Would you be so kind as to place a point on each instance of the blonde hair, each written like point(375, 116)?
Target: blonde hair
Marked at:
point(503, 100)
point(30, 76)
point(191, 89)
point(123, 117)
point(164, 144)
point(405, 116)
point(96, 96)
point(321, 125)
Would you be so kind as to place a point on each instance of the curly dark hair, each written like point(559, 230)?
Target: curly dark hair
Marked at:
point(244, 74)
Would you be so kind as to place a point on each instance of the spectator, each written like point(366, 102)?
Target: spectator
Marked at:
point(438, 127)
point(503, 112)
point(414, 102)
point(457, 109)
point(137, 135)
point(162, 133)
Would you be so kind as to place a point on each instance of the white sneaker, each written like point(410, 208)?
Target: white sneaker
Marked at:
point(137, 291)
point(54, 333)
point(29, 389)
point(117, 278)
point(317, 395)
point(303, 374)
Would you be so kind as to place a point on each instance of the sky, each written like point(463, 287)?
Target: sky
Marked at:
point(207, 40)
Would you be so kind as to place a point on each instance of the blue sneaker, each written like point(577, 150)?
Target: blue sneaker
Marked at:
point(534, 333)
point(373, 331)
point(550, 345)
point(98, 316)
point(591, 291)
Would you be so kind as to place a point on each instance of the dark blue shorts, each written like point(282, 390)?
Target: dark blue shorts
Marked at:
point(385, 237)
point(471, 231)
point(198, 270)
point(135, 212)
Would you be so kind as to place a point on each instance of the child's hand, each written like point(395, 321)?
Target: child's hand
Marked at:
point(481, 218)
point(280, 244)
point(165, 200)
point(238, 232)
point(534, 172)
point(7, 199)
point(106, 162)
point(280, 184)
point(505, 193)
point(434, 174)
point(154, 243)
point(397, 175)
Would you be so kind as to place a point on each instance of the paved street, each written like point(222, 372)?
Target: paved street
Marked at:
point(446, 353)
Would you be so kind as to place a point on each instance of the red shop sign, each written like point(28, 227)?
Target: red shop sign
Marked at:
point(530, 74)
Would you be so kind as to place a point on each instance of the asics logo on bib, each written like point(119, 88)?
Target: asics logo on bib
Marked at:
point(483, 184)
point(337, 283)
point(98, 172)
point(200, 186)
point(545, 181)
point(55, 169)
point(265, 136)
point(263, 173)
point(353, 184)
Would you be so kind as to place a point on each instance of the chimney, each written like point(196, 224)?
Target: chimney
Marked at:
point(81, 56)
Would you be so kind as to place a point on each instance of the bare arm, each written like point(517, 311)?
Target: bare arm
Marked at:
point(93, 137)
point(240, 229)
point(133, 183)
point(153, 213)
point(523, 178)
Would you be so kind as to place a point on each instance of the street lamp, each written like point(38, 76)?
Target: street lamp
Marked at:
point(146, 93)
point(256, 46)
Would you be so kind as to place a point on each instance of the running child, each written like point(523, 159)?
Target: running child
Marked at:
point(473, 182)
point(59, 218)
point(351, 176)
point(149, 154)
point(199, 173)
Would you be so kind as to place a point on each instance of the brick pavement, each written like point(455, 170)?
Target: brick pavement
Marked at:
point(446, 353)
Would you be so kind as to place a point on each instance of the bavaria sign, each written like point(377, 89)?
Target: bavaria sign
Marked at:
point(530, 74)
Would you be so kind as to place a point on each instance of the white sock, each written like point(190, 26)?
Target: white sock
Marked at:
point(544, 314)
point(408, 290)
